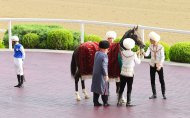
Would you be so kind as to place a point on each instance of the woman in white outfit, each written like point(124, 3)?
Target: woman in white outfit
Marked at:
point(128, 58)
point(19, 56)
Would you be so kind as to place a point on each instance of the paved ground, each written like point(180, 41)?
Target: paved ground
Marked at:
point(49, 91)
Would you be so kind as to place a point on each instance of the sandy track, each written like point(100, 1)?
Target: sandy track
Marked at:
point(158, 13)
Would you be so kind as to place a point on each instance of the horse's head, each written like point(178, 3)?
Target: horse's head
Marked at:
point(135, 35)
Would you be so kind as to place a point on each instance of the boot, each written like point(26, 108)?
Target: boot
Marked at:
point(19, 81)
point(153, 96)
point(95, 100)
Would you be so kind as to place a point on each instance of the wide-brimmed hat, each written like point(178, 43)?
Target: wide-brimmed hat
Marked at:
point(154, 36)
point(128, 43)
point(104, 44)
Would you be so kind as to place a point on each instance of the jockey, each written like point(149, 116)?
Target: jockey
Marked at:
point(19, 56)
point(110, 36)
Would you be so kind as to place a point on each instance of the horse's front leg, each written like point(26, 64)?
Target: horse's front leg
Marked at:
point(78, 98)
point(86, 96)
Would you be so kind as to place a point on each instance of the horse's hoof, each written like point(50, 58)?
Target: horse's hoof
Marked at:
point(78, 96)
point(78, 99)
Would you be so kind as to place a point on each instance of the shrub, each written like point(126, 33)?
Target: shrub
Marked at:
point(180, 52)
point(76, 39)
point(60, 39)
point(117, 40)
point(1, 44)
point(166, 49)
point(93, 38)
point(40, 30)
point(30, 40)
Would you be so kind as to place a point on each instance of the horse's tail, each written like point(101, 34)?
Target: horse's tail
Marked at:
point(73, 64)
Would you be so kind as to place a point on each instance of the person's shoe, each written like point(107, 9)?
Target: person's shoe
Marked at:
point(164, 97)
point(17, 85)
point(21, 86)
point(130, 105)
point(153, 97)
point(97, 105)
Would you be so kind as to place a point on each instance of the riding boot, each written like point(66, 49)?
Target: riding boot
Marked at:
point(19, 81)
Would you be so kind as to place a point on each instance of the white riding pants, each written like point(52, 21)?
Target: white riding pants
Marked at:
point(18, 66)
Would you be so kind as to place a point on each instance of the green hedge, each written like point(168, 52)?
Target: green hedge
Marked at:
point(40, 30)
point(76, 39)
point(60, 39)
point(180, 52)
point(166, 49)
point(117, 40)
point(93, 38)
point(1, 44)
point(30, 40)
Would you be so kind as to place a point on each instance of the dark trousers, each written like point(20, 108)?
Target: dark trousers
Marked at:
point(96, 97)
point(123, 81)
point(161, 78)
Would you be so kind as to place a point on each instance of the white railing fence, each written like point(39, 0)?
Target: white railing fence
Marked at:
point(82, 26)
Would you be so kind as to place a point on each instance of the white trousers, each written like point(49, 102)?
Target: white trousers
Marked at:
point(18, 66)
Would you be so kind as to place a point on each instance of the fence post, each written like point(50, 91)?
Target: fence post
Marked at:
point(142, 34)
point(82, 33)
point(10, 34)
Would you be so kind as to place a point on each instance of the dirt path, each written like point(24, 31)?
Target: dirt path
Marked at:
point(163, 13)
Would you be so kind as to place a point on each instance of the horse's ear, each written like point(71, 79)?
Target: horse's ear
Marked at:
point(133, 30)
point(136, 28)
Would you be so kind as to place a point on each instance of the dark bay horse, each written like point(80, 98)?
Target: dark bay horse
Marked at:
point(83, 59)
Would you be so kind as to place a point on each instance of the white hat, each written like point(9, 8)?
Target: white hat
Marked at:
point(111, 34)
point(154, 36)
point(128, 43)
point(14, 38)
